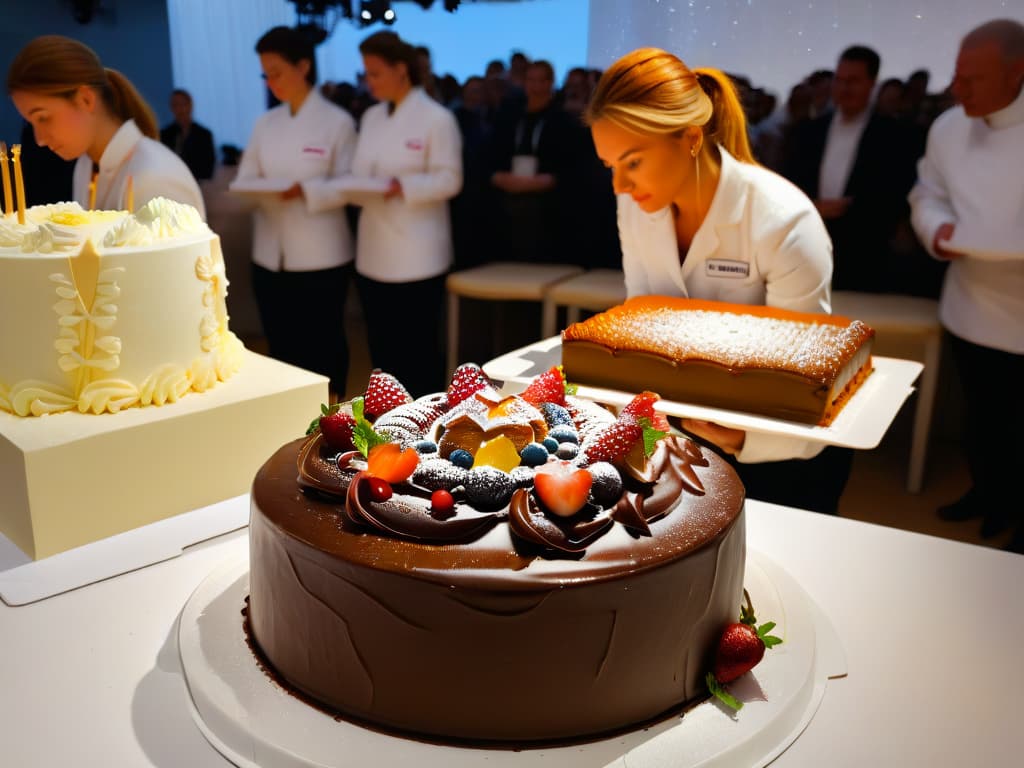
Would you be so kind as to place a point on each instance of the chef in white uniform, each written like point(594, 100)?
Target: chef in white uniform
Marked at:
point(699, 218)
point(301, 258)
point(407, 166)
point(79, 109)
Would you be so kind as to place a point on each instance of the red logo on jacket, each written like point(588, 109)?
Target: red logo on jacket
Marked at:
point(414, 144)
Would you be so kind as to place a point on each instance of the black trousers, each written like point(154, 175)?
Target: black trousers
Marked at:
point(994, 414)
point(815, 484)
point(405, 330)
point(303, 318)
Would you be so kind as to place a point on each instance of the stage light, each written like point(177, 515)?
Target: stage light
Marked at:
point(372, 11)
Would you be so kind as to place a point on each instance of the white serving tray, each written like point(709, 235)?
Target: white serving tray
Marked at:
point(861, 423)
point(255, 723)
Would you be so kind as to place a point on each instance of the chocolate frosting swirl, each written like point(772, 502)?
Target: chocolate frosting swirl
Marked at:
point(651, 491)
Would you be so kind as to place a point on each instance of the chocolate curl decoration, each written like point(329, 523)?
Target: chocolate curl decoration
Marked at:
point(529, 523)
point(412, 524)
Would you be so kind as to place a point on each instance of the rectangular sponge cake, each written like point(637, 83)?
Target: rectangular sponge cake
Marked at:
point(796, 366)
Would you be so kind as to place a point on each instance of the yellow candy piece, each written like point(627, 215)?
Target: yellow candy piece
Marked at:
point(499, 452)
point(70, 218)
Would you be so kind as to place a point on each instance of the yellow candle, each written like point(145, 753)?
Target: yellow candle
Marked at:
point(129, 196)
point(19, 182)
point(8, 197)
point(92, 192)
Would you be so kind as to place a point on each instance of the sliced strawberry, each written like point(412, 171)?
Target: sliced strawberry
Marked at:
point(383, 392)
point(547, 387)
point(390, 463)
point(467, 380)
point(562, 487)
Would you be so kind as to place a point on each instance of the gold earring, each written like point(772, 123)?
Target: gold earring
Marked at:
point(694, 150)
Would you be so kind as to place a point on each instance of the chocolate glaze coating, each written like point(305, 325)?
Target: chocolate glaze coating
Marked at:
point(495, 639)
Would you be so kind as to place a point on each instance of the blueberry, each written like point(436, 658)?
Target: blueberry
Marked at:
point(488, 487)
point(461, 458)
point(533, 455)
point(564, 434)
point(567, 451)
point(551, 444)
point(425, 446)
point(606, 488)
point(555, 414)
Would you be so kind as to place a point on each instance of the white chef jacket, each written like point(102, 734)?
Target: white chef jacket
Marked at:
point(315, 143)
point(762, 243)
point(404, 238)
point(971, 175)
point(154, 169)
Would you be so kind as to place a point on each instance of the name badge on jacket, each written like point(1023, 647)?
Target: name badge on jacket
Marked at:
point(727, 268)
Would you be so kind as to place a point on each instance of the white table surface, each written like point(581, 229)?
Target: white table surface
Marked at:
point(932, 631)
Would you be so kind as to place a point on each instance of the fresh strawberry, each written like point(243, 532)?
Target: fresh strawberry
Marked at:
point(391, 463)
point(467, 380)
point(336, 425)
point(337, 430)
point(562, 487)
point(740, 648)
point(635, 422)
point(383, 392)
point(642, 406)
point(547, 387)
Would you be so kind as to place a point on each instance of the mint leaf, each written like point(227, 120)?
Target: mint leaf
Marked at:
point(716, 689)
point(571, 389)
point(364, 436)
point(650, 435)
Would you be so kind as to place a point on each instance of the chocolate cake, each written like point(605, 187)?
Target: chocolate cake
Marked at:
point(796, 366)
point(462, 600)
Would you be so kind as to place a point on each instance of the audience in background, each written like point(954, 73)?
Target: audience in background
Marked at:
point(190, 141)
point(858, 165)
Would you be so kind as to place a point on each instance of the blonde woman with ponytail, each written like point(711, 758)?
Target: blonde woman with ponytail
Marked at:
point(80, 109)
point(699, 217)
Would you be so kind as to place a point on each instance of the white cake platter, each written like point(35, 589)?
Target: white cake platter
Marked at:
point(255, 723)
point(862, 423)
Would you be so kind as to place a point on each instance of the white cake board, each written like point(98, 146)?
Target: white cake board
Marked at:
point(255, 723)
point(24, 580)
point(862, 423)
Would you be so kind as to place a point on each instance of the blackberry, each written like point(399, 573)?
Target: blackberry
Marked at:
point(438, 474)
point(488, 487)
point(523, 476)
point(555, 414)
point(606, 488)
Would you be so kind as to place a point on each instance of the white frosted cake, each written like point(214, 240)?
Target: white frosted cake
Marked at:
point(105, 310)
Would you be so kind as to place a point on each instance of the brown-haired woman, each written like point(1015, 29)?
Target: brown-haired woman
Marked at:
point(699, 217)
point(411, 148)
point(81, 109)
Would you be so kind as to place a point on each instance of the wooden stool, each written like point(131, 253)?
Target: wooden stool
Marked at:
point(899, 321)
point(499, 281)
point(594, 290)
